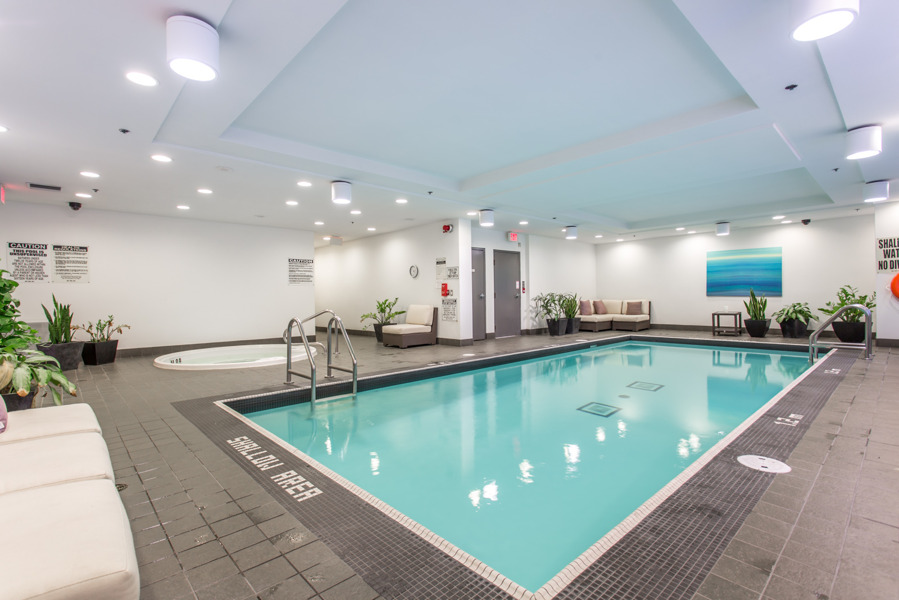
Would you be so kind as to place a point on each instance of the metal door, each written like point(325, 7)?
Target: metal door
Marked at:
point(478, 294)
point(506, 293)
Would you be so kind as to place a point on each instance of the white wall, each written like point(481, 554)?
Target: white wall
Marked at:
point(352, 277)
point(817, 260)
point(175, 281)
point(886, 225)
point(559, 265)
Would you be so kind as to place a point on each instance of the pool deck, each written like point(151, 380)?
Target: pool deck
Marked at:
point(205, 528)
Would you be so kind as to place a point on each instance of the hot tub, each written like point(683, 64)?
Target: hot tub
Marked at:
point(231, 357)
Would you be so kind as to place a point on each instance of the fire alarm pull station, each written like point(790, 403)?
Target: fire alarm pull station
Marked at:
point(444, 289)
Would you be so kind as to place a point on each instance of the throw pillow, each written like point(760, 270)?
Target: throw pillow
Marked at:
point(586, 307)
point(599, 308)
point(634, 308)
point(3, 416)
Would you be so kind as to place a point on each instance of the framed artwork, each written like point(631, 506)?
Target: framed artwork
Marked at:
point(733, 272)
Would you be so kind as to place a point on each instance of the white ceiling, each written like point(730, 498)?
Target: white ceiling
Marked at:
point(626, 119)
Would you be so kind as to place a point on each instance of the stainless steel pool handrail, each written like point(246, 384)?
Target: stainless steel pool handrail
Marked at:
point(868, 344)
point(334, 324)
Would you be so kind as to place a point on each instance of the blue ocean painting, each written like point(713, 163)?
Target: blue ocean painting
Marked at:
point(733, 272)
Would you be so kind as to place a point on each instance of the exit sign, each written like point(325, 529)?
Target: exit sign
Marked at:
point(512, 236)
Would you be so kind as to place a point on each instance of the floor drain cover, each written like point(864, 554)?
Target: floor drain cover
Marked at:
point(762, 463)
point(121, 486)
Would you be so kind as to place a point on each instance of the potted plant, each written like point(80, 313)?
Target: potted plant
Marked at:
point(756, 323)
point(101, 348)
point(851, 328)
point(794, 319)
point(60, 345)
point(549, 306)
point(24, 371)
point(383, 315)
point(570, 307)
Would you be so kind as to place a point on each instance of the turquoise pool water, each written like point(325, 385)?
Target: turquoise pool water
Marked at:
point(526, 466)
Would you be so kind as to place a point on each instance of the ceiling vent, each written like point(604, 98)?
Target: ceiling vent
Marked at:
point(43, 186)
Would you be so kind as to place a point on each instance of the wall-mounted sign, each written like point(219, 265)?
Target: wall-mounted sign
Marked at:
point(27, 261)
point(512, 236)
point(449, 312)
point(887, 255)
point(300, 271)
point(440, 263)
point(70, 264)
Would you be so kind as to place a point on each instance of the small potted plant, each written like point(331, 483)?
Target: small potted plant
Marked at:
point(101, 348)
point(756, 323)
point(570, 308)
point(549, 306)
point(60, 345)
point(851, 328)
point(794, 319)
point(24, 371)
point(383, 315)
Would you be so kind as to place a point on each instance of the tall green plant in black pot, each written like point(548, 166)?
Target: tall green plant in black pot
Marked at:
point(549, 306)
point(851, 328)
point(59, 339)
point(794, 319)
point(101, 348)
point(756, 323)
point(570, 308)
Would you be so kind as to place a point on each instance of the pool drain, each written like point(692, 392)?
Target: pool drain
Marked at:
point(763, 463)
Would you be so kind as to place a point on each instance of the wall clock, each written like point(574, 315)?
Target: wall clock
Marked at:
point(413, 271)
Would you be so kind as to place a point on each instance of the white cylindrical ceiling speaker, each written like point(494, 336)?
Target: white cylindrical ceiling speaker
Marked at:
point(863, 142)
point(875, 191)
point(817, 19)
point(485, 218)
point(722, 228)
point(571, 232)
point(192, 48)
point(341, 192)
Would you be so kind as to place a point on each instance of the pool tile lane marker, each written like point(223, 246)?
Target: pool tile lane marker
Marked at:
point(563, 582)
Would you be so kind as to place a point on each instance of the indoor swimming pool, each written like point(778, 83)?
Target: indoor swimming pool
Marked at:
point(526, 466)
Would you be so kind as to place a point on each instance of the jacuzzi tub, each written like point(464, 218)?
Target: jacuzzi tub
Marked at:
point(230, 357)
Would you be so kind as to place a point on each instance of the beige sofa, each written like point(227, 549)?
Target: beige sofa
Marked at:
point(624, 315)
point(66, 534)
point(420, 328)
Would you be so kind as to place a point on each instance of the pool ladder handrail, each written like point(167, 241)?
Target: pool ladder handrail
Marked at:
point(868, 345)
point(334, 324)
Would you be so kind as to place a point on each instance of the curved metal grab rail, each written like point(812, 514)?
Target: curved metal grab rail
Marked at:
point(867, 345)
point(334, 324)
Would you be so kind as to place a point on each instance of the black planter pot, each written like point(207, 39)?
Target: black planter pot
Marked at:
point(757, 327)
point(850, 333)
point(794, 328)
point(68, 354)
point(99, 353)
point(557, 326)
point(378, 327)
point(573, 326)
point(16, 402)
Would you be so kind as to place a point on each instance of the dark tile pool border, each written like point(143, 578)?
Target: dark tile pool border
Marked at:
point(666, 555)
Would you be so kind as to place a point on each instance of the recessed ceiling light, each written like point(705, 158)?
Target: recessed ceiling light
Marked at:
point(372, 229)
point(817, 19)
point(319, 222)
point(304, 183)
point(204, 191)
point(620, 240)
point(692, 231)
point(141, 79)
point(471, 213)
point(355, 211)
point(183, 207)
point(785, 222)
point(401, 201)
point(83, 195)
point(291, 203)
point(680, 228)
point(3, 129)
point(327, 238)
point(161, 158)
point(90, 174)
point(778, 217)
point(598, 235)
point(522, 222)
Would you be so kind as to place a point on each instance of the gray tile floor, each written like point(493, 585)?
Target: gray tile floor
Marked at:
point(204, 529)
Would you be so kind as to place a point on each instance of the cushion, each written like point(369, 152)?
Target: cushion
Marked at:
point(53, 460)
point(420, 314)
point(50, 420)
point(402, 328)
point(631, 318)
point(594, 318)
point(643, 304)
point(612, 306)
point(599, 307)
point(586, 307)
point(71, 541)
point(634, 308)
